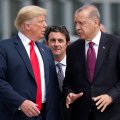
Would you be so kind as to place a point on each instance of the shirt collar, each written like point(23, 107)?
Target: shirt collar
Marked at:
point(96, 39)
point(25, 40)
point(63, 62)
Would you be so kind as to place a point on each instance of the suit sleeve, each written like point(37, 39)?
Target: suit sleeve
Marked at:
point(115, 91)
point(8, 96)
point(68, 74)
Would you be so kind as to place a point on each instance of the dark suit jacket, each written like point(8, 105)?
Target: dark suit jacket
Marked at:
point(106, 78)
point(17, 81)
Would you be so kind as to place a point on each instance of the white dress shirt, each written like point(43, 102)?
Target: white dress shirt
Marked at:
point(26, 42)
point(95, 40)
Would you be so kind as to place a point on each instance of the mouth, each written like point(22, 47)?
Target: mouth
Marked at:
point(43, 32)
point(56, 49)
point(80, 33)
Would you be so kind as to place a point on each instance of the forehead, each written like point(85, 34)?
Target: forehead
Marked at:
point(40, 17)
point(57, 35)
point(83, 15)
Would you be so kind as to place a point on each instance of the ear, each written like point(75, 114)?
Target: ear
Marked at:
point(46, 43)
point(97, 23)
point(27, 25)
point(68, 43)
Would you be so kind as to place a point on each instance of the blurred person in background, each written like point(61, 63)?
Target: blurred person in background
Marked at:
point(29, 88)
point(57, 39)
point(103, 28)
point(92, 79)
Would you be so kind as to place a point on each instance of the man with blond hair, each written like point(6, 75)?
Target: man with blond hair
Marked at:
point(29, 88)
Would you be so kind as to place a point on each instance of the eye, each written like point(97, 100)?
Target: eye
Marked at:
point(52, 40)
point(60, 40)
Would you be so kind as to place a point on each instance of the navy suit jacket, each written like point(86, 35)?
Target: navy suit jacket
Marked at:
point(17, 81)
point(106, 78)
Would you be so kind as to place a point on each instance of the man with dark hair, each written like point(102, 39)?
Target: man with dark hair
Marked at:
point(57, 39)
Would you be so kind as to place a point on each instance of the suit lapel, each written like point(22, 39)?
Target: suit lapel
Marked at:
point(21, 50)
point(82, 56)
point(102, 50)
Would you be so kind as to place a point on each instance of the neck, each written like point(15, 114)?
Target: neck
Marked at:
point(59, 58)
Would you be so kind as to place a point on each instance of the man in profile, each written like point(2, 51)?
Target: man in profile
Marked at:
point(29, 88)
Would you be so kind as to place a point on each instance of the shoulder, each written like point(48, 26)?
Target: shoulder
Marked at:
point(75, 44)
point(6, 44)
point(43, 46)
point(8, 41)
point(110, 37)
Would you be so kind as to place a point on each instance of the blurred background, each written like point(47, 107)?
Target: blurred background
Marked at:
point(60, 12)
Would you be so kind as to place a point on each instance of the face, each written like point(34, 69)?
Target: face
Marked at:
point(85, 27)
point(37, 27)
point(57, 43)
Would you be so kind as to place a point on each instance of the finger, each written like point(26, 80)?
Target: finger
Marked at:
point(78, 95)
point(67, 105)
point(96, 98)
point(101, 105)
point(99, 102)
point(68, 99)
point(29, 114)
point(104, 107)
point(35, 111)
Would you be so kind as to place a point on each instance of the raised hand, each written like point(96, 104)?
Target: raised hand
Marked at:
point(72, 97)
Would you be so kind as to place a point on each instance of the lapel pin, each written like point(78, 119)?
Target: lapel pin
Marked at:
point(104, 47)
point(42, 49)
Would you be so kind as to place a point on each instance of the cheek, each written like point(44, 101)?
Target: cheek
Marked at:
point(63, 48)
point(50, 45)
point(88, 30)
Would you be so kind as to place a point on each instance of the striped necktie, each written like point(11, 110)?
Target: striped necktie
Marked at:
point(60, 75)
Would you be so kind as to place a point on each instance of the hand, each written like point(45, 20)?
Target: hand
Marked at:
point(102, 101)
point(30, 108)
point(72, 97)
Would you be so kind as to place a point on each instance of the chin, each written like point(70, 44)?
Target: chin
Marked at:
point(56, 54)
point(82, 37)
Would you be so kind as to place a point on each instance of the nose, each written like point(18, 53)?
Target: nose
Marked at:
point(45, 24)
point(56, 42)
point(78, 26)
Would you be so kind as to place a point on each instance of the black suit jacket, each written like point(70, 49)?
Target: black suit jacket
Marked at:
point(106, 78)
point(17, 81)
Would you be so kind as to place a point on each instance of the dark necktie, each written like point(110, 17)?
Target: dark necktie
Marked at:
point(60, 75)
point(36, 71)
point(91, 60)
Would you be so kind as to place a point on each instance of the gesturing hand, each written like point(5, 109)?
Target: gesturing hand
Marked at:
point(72, 97)
point(102, 101)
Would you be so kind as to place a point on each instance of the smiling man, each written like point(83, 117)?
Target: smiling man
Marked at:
point(57, 39)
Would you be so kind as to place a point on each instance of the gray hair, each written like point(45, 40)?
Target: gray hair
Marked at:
point(92, 9)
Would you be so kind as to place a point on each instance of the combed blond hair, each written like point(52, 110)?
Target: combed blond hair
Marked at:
point(27, 13)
